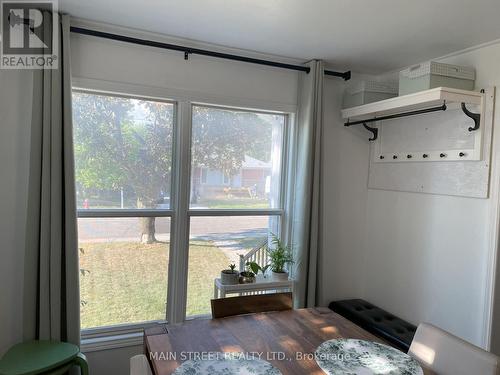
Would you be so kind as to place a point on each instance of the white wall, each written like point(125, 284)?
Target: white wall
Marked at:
point(15, 118)
point(112, 361)
point(345, 179)
point(422, 257)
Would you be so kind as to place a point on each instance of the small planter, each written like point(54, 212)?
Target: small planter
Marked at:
point(229, 277)
point(247, 277)
point(279, 276)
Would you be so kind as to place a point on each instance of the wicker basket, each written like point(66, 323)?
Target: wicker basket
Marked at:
point(433, 74)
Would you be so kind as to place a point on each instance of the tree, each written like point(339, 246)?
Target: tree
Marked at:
point(121, 142)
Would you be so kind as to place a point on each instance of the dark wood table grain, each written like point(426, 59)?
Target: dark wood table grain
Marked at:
point(294, 334)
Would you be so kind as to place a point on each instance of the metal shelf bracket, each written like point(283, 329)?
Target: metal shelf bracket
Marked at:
point(373, 130)
point(474, 116)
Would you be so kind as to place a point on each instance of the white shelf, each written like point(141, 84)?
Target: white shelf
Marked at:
point(412, 102)
point(261, 284)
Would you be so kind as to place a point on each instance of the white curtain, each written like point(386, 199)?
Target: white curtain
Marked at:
point(305, 187)
point(51, 290)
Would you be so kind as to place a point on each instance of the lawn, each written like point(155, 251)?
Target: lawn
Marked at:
point(126, 282)
point(232, 203)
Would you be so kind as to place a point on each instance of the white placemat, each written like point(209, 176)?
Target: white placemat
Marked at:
point(227, 365)
point(349, 356)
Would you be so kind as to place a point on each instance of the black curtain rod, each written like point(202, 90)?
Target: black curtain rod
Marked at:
point(397, 115)
point(188, 50)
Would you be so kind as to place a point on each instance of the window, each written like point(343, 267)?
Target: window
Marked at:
point(242, 144)
point(204, 173)
point(214, 243)
point(245, 148)
point(131, 198)
point(123, 279)
point(123, 164)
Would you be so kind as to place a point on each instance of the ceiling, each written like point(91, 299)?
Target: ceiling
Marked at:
point(364, 35)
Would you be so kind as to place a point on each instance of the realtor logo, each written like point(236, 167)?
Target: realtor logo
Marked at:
point(30, 35)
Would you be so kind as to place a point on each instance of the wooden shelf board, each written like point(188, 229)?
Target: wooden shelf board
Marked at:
point(411, 102)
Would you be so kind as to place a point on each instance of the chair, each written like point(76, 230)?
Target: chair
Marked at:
point(223, 307)
point(42, 357)
point(139, 365)
point(446, 354)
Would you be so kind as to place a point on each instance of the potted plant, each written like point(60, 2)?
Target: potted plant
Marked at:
point(255, 267)
point(279, 257)
point(247, 276)
point(230, 276)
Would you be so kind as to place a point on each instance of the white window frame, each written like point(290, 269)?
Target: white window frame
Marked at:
point(130, 334)
point(178, 310)
point(91, 337)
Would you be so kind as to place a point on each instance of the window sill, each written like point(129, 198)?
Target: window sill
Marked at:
point(121, 336)
point(112, 342)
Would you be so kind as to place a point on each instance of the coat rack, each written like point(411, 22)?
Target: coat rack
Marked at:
point(424, 102)
point(474, 116)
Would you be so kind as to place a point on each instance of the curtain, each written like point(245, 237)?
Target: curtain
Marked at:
point(305, 185)
point(51, 290)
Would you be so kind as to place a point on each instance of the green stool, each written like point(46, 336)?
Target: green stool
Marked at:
point(42, 357)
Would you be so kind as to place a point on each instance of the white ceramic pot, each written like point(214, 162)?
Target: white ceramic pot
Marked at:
point(279, 276)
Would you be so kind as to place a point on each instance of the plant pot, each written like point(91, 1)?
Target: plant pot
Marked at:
point(228, 277)
point(279, 276)
point(247, 278)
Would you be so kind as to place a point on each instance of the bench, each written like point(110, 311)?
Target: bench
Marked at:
point(376, 321)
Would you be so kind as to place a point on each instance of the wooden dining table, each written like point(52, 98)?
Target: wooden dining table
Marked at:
point(287, 339)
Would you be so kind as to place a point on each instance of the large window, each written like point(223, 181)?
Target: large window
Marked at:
point(135, 188)
point(242, 152)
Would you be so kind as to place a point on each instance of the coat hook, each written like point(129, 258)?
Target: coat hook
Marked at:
point(441, 155)
point(186, 55)
point(425, 156)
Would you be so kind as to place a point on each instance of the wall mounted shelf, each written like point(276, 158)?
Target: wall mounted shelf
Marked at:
point(419, 103)
point(457, 135)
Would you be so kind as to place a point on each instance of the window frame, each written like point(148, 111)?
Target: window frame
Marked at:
point(94, 333)
point(207, 212)
point(180, 211)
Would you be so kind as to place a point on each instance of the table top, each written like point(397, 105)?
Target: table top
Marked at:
point(287, 339)
point(260, 283)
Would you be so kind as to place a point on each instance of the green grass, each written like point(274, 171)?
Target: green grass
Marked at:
point(242, 203)
point(126, 282)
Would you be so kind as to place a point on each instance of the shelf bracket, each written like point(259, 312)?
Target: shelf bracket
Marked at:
point(373, 130)
point(474, 116)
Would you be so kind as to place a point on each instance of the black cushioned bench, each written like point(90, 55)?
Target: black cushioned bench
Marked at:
point(376, 321)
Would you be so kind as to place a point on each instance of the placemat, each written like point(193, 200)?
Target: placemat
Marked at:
point(350, 356)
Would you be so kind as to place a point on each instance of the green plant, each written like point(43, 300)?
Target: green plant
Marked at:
point(280, 255)
point(248, 271)
point(230, 270)
point(255, 267)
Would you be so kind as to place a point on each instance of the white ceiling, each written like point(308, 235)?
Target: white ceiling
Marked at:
point(363, 35)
